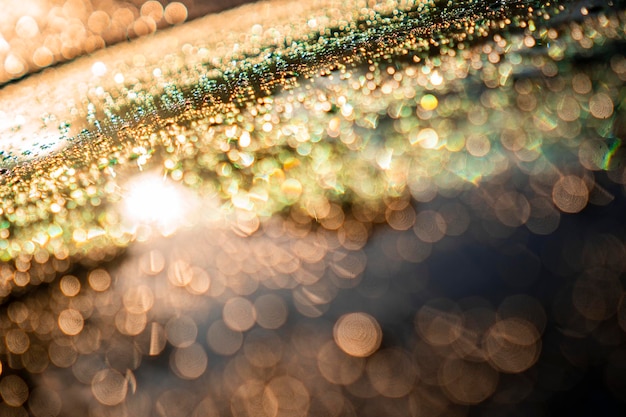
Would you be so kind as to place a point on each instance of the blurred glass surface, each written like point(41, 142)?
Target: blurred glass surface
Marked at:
point(399, 208)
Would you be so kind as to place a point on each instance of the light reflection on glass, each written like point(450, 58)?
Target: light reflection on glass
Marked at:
point(153, 201)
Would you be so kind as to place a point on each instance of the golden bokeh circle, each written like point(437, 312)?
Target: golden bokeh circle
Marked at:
point(357, 334)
